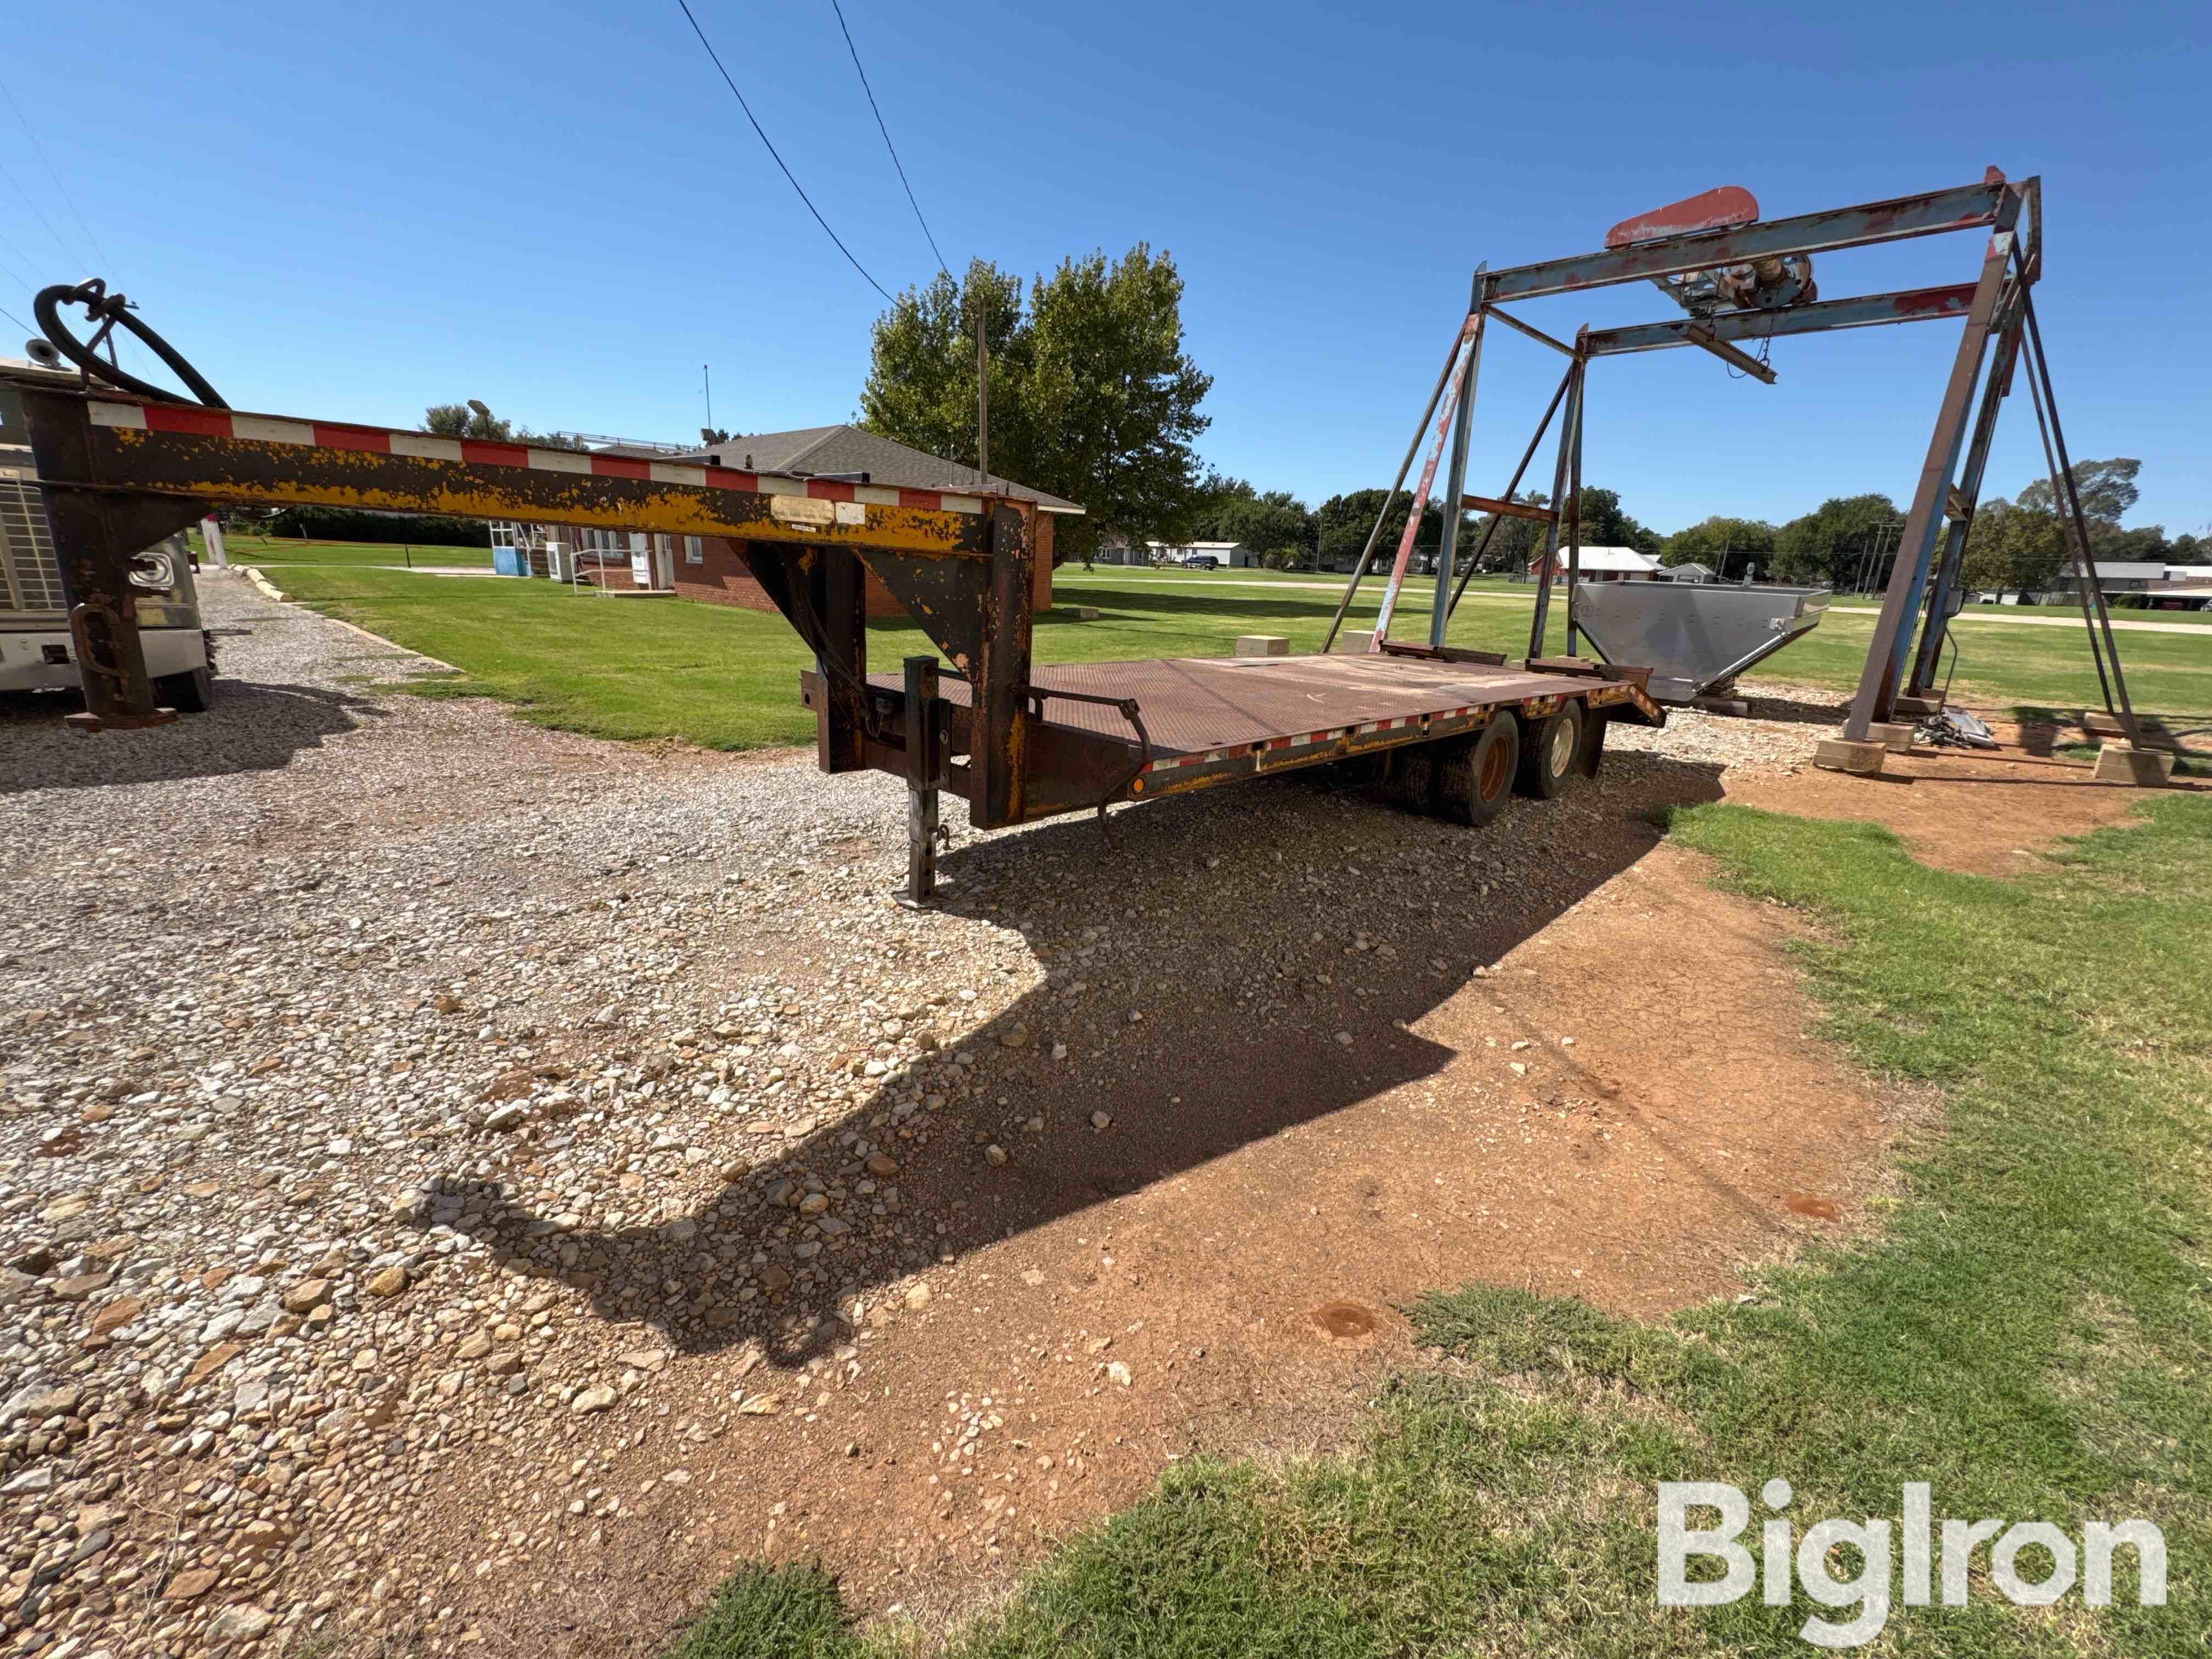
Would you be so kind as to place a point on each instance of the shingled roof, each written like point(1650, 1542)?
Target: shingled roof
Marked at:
point(812, 451)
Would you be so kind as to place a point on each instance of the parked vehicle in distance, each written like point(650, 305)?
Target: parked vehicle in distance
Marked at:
point(1202, 561)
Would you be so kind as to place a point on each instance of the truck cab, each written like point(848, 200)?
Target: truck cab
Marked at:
point(37, 653)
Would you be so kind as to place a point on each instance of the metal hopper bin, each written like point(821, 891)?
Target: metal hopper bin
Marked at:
point(1694, 636)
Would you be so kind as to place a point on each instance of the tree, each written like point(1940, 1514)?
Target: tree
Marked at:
point(1604, 524)
point(1724, 545)
point(710, 435)
point(473, 419)
point(2009, 546)
point(1844, 539)
point(1093, 397)
point(468, 420)
point(2107, 490)
point(1276, 524)
point(1346, 520)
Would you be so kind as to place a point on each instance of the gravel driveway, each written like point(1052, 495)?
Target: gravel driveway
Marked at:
point(386, 1084)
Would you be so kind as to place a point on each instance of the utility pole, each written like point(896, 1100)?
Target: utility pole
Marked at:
point(982, 395)
point(707, 384)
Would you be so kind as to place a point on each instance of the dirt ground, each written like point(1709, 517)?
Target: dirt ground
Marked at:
point(518, 1179)
point(1620, 1101)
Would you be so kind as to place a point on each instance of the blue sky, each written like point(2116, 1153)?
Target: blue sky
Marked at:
point(353, 211)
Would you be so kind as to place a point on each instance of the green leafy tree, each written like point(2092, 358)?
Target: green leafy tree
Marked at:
point(2011, 547)
point(1275, 523)
point(473, 419)
point(1833, 545)
point(2107, 490)
point(1093, 397)
point(1724, 545)
point(1605, 525)
point(1346, 520)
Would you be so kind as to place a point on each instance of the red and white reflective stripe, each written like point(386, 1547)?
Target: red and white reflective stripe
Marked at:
point(478, 451)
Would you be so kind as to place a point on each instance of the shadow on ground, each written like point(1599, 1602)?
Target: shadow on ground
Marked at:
point(252, 727)
point(1217, 919)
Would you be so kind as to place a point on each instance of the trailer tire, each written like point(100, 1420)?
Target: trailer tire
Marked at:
point(192, 692)
point(1475, 775)
point(1549, 758)
point(1411, 780)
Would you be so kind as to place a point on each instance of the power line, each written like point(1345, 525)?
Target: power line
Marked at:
point(58, 239)
point(750, 116)
point(18, 321)
point(24, 121)
point(886, 132)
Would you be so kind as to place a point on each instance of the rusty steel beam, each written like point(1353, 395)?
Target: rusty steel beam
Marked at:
point(1879, 679)
point(1535, 334)
point(1911, 306)
point(206, 455)
point(1511, 509)
point(1743, 362)
point(1962, 208)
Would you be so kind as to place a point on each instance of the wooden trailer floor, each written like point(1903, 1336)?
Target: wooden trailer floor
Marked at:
point(1194, 705)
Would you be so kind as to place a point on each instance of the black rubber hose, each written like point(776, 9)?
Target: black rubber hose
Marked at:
point(113, 309)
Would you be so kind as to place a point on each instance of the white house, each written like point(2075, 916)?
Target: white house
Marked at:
point(1600, 565)
point(1227, 554)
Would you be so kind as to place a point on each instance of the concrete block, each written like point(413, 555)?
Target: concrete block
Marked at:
point(1350, 644)
point(1842, 755)
point(1086, 613)
point(1916, 708)
point(1896, 736)
point(2147, 768)
point(1262, 645)
point(2153, 731)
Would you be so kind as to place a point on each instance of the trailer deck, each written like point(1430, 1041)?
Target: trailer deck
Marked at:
point(1208, 720)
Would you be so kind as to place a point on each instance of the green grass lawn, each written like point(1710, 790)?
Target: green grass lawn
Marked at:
point(286, 550)
point(2030, 1333)
point(727, 678)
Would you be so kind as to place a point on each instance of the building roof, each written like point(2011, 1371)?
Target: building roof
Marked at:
point(1607, 558)
point(812, 451)
point(1687, 567)
point(2130, 571)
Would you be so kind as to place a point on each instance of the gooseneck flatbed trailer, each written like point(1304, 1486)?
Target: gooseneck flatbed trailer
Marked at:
point(1452, 730)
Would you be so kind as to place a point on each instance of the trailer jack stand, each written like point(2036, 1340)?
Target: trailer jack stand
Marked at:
point(925, 726)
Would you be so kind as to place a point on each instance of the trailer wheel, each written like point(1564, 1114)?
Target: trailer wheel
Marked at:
point(1548, 758)
point(1411, 777)
point(1474, 774)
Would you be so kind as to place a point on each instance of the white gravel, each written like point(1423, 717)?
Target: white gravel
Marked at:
point(384, 1081)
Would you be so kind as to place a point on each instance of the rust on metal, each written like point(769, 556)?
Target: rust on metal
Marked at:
point(1511, 509)
point(1711, 209)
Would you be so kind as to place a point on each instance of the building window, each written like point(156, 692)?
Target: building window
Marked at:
point(694, 550)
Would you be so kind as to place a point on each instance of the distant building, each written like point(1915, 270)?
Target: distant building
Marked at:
point(1600, 565)
point(1227, 555)
point(877, 469)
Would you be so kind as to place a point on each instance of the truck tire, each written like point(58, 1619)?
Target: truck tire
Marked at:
point(188, 693)
point(1549, 758)
point(1475, 775)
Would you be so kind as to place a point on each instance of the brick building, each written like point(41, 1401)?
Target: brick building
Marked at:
point(708, 567)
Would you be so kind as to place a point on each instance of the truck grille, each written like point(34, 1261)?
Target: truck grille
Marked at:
point(30, 580)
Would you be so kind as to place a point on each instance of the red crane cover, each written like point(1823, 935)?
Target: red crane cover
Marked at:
point(1731, 204)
